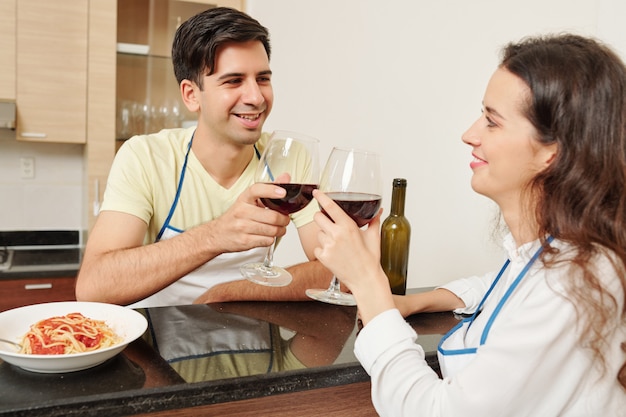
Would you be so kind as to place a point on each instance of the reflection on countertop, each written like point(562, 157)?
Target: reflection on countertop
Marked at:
point(207, 354)
point(230, 340)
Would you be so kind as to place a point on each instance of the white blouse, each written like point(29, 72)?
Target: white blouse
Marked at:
point(530, 365)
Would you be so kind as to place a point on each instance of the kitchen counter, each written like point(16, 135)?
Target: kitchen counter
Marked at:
point(199, 355)
point(44, 273)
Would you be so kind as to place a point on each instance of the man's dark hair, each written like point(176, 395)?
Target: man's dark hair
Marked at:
point(197, 40)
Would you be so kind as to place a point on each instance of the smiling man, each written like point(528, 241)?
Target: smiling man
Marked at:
point(180, 213)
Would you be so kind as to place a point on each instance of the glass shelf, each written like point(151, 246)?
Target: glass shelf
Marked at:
point(147, 94)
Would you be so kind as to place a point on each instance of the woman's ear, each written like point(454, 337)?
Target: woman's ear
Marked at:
point(189, 92)
point(550, 153)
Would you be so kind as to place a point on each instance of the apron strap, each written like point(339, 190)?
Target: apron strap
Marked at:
point(510, 291)
point(179, 187)
point(178, 190)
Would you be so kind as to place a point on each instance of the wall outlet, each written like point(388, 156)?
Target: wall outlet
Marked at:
point(27, 168)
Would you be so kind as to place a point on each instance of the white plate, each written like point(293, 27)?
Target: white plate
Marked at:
point(14, 324)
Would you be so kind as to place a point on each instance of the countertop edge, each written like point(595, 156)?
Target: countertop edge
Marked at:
point(147, 400)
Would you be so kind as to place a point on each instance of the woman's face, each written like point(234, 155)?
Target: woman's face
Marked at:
point(506, 154)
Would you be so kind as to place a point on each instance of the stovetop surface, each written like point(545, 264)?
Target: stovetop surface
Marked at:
point(33, 250)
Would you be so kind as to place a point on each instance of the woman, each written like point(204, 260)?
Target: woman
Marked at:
point(550, 150)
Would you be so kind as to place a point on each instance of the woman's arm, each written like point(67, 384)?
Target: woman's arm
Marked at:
point(439, 299)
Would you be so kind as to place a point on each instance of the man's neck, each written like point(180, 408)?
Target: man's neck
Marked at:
point(225, 162)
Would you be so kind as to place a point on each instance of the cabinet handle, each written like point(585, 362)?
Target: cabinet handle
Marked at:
point(33, 135)
point(45, 286)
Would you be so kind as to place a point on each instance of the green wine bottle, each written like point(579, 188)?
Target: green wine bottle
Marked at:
point(395, 240)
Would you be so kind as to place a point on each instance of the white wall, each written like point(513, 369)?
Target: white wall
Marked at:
point(53, 199)
point(406, 78)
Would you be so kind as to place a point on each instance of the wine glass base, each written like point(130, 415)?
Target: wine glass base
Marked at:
point(271, 277)
point(332, 297)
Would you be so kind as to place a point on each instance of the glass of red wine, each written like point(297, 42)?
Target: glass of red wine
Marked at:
point(351, 178)
point(290, 160)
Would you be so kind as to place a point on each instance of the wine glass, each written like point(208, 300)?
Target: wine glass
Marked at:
point(290, 160)
point(351, 178)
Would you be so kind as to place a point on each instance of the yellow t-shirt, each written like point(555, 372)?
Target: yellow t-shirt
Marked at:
point(145, 174)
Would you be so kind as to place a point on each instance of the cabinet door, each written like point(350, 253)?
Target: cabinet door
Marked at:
point(52, 70)
point(7, 46)
point(23, 292)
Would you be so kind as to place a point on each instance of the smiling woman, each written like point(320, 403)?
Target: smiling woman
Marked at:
point(556, 168)
point(503, 144)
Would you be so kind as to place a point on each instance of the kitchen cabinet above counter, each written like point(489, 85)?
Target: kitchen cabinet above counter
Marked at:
point(60, 70)
point(8, 48)
point(51, 64)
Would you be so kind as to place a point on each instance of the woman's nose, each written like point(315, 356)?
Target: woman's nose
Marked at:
point(471, 135)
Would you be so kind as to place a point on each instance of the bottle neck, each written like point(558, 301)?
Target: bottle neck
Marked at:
point(398, 196)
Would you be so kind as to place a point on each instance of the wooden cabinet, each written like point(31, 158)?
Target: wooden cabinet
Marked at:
point(100, 146)
point(8, 47)
point(52, 39)
point(59, 64)
point(20, 292)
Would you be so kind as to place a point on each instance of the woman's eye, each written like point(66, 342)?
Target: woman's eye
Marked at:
point(490, 122)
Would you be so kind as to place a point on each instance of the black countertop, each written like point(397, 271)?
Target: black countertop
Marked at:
point(206, 354)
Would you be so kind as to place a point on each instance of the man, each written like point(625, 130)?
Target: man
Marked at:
point(181, 211)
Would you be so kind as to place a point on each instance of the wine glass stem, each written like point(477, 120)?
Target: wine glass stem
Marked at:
point(335, 286)
point(269, 256)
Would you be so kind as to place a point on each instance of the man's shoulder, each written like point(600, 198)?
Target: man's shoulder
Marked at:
point(167, 140)
point(263, 140)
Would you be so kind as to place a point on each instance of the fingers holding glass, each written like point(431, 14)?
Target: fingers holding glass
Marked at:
point(351, 178)
point(290, 160)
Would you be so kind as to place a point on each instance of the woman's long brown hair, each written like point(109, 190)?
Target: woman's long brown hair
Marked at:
point(578, 102)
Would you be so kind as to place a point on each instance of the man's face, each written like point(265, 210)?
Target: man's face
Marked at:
point(237, 98)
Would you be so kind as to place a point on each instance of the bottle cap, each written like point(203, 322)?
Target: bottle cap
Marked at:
point(399, 182)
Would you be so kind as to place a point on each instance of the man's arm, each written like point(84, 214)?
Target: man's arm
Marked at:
point(321, 329)
point(306, 275)
point(118, 268)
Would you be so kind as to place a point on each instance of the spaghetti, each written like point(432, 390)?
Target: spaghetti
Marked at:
point(72, 333)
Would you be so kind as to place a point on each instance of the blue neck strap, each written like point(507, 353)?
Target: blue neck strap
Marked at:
point(506, 295)
point(179, 187)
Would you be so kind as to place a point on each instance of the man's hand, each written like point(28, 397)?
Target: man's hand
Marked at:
point(247, 224)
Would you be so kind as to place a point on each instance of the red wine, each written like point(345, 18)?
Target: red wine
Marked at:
point(360, 207)
point(298, 197)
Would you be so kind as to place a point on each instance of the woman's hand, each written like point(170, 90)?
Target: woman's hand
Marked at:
point(353, 255)
point(344, 248)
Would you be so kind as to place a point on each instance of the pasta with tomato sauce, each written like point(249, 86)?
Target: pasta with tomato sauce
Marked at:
point(72, 333)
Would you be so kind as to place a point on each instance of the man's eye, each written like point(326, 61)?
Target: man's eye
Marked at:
point(234, 81)
point(264, 80)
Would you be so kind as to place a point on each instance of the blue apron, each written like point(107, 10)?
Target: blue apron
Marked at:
point(166, 224)
point(453, 353)
point(221, 269)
